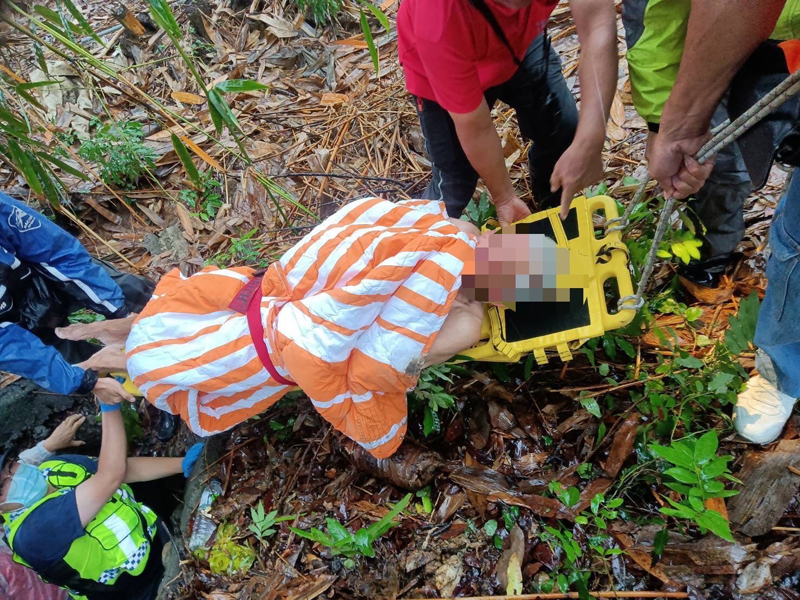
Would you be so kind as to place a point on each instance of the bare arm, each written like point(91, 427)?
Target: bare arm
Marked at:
point(597, 70)
point(581, 165)
point(93, 494)
point(147, 468)
point(482, 146)
point(720, 37)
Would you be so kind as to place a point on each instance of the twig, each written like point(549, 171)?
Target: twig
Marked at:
point(794, 470)
point(790, 529)
point(605, 387)
point(335, 150)
point(339, 176)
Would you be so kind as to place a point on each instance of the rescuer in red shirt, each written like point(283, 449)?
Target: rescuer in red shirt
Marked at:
point(461, 56)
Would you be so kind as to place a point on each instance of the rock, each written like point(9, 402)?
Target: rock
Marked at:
point(417, 559)
point(171, 240)
point(768, 487)
point(24, 410)
point(448, 575)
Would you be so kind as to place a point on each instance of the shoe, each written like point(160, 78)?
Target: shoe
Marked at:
point(698, 276)
point(705, 273)
point(166, 426)
point(761, 411)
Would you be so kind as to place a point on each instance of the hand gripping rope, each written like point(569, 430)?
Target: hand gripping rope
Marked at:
point(724, 135)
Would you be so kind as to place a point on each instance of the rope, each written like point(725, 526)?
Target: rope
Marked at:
point(724, 135)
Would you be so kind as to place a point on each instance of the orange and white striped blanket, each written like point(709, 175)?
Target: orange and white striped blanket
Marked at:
point(345, 311)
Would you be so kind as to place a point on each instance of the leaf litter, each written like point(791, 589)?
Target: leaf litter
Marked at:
point(523, 479)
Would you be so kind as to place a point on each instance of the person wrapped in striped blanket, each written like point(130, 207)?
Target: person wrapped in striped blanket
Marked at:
point(351, 314)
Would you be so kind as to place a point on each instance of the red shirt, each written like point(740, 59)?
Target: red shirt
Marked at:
point(450, 53)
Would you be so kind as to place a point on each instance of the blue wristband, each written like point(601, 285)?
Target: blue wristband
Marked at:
point(110, 407)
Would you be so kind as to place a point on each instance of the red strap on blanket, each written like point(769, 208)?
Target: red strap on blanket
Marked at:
point(248, 302)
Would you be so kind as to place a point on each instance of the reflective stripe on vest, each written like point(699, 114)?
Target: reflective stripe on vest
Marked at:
point(117, 540)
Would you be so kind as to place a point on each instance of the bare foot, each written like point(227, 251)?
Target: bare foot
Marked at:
point(107, 359)
point(113, 332)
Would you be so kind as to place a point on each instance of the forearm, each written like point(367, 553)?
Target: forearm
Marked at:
point(597, 70)
point(24, 354)
point(112, 464)
point(720, 37)
point(481, 144)
point(145, 468)
point(38, 454)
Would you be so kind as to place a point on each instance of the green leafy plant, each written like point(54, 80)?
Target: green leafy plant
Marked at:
point(481, 211)
point(226, 557)
point(577, 570)
point(132, 423)
point(684, 245)
point(242, 249)
point(282, 430)
point(263, 524)
point(742, 329)
point(510, 515)
point(218, 108)
point(341, 541)
point(429, 396)
point(118, 149)
point(490, 529)
point(321, 10)
point(695, 475)
point(85, 315)
point(425, 496)
point(32, 159)
point(378, 13)
point(205, 199)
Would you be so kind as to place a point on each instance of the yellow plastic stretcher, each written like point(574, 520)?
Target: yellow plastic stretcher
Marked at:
point(559, 328)
point(127, 384)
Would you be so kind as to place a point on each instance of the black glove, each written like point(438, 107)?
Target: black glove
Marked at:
point(90, 377)
point(12, 283)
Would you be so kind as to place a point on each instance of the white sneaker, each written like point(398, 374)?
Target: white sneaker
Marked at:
point(761, 411)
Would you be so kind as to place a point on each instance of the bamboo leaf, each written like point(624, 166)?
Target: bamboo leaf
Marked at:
point(373, 50)
point(384, 20)
point(387, 522)
point(23, 163)
point(37, 50)
point(225, 112)
point(43, 173)
point(162, 15)
point(36, 84)
point(239, 85)
point(22, 88)
point(54, 18)
point(62, 165)
point(202, 153)
point(68, 26)
point(186, 160)
point(78, 16)
point(30, 99)
point(216, 118)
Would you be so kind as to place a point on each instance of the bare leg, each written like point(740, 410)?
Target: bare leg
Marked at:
point(112, 332)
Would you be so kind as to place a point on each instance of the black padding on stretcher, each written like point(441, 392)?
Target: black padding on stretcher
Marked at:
point(542, 226)
point(534, 319)
point(570, 224)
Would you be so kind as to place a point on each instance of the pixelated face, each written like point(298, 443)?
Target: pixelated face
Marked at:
point(516, 267)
